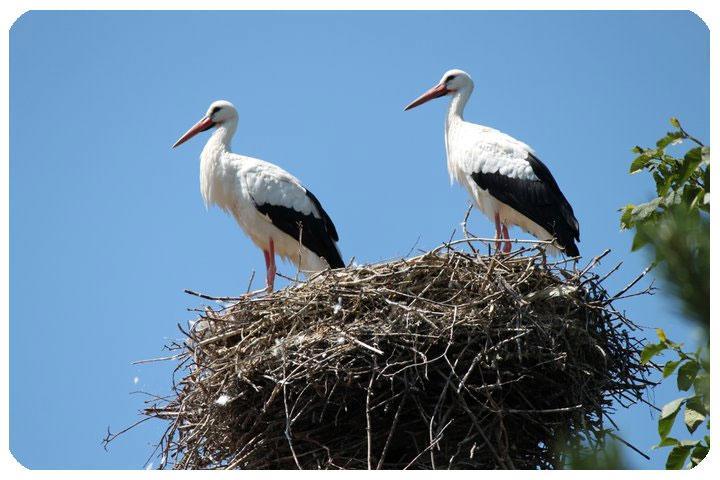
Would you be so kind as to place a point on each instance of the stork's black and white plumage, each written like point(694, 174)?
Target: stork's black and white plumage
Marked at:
point(273, 208)
point(504, 177)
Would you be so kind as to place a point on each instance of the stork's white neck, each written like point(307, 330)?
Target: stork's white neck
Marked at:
point(212, 160)
point(457, 103)
point(221, 137)
point(454, 119)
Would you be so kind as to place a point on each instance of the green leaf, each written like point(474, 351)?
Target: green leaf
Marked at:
point(689, 165)
point(704, 359)
point(705, 153)
point(699, 199)
point(670, 367)
point(677, 457)
point(625, 219)
point(694, 413)
point(675, 122)
point(667, 442)
point(667, 417)
point(701, 384)
point(671, 408)
point(639, 241)
point(689, 443)
point(669, 138)
point(698, 454)
point(661, 335)
point(640, 162)
point(686, 375)
point(650, 350)
point(695, 155)
point(689, 195)
point(673, 197)
point(661, 183)
point(643, 211)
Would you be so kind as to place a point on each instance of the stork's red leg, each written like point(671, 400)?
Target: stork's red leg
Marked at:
point(498, 233)
point(506, 236)
point(270, 264)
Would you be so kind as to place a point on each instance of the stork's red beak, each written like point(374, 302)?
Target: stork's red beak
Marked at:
point(204, 124)
point(435, 92)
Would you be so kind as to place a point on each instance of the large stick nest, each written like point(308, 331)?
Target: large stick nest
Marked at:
point(446, 360)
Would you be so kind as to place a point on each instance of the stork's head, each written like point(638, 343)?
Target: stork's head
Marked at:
point(220, 112)
point(452, 82)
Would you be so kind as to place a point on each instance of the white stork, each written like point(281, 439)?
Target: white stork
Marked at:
point(273, 208)
point(506, 180)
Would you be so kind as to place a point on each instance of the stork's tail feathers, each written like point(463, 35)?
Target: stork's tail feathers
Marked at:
point(334, 257)
point(571, 250)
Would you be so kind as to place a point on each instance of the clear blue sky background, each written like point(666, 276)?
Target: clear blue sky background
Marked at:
point(107, 223)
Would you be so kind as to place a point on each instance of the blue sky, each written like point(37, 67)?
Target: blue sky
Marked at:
point(108, 226)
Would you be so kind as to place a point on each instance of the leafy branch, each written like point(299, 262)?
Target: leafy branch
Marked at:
point(693, 376)
point(678, 181)
point(675, 225)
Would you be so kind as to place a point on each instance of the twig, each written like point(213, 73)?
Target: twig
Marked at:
point(430, 446)
point(367, 420)
point(358, 342)
point(392, 431)
point(464, 227)
point(628, 444)
point(210, 297)
point(628, 286)
point(252, 277)
point(109, 437)
point(288, 431)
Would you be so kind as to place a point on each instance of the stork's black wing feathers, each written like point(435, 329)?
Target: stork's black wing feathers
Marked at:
point(316, 234)
point(540, 200)
point(323, 215)
point(543, 173)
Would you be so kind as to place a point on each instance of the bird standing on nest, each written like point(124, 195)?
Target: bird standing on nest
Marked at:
point(506, 180)
point(271, 206)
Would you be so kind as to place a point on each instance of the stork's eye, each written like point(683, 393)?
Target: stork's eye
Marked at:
point(214, 111)
point(450, 77)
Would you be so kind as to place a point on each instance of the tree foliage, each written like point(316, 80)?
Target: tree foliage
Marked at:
point(692, 375)
point(580, 457)
point(679, 181)
point(675, 228)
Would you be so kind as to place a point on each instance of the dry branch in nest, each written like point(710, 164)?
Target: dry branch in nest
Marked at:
point(445, 360)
